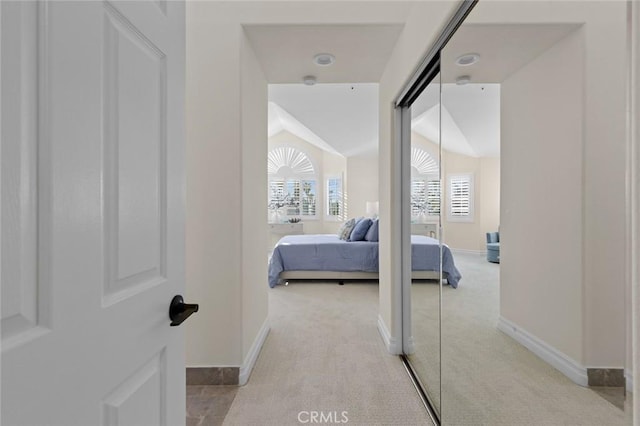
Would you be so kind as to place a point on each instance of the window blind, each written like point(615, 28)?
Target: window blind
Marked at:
point(433, 198)
point(425, 197)
point(334, 197)
point(460, 190)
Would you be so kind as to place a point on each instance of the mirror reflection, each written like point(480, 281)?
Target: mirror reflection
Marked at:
point(424, 345)
point(532, 131)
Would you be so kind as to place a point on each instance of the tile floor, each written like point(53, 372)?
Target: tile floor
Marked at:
point(616, 396)
point(208, 405)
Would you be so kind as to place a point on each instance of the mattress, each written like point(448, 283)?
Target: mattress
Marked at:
point(326, 252)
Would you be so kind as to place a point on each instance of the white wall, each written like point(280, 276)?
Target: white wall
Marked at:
point(362, 183)
point(214, 229)
point(605, 228)
point(541, 245)
point(489, 208)
point(254, 181)
point(595, 168)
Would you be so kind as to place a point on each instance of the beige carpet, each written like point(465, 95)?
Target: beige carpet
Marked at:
point(324, 353)
point(487, 377)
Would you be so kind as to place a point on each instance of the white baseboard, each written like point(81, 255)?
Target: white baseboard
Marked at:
point(628, 379)
point(411, 346)
point(252, 356)
point(561, 362)
point(390, 342)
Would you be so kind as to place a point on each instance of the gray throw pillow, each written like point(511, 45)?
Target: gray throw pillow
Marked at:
point(346, 228)
point(360, 230)
point(372, 233)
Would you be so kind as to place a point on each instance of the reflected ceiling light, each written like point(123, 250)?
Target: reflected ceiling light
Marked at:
point(309, 80)
point(468, 59)
point(463, 79)
point(324, 59)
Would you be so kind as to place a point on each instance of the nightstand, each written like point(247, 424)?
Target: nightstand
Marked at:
point(426, 229)
point(286, 228)
point(279, 230)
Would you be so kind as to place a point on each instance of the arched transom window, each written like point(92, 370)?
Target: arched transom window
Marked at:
point(292, 183)
point(425, 184)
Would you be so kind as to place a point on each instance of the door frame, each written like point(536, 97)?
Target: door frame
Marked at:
point(633, 192)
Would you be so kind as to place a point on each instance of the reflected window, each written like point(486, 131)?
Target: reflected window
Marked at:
point(425, 185)
point(460, 198)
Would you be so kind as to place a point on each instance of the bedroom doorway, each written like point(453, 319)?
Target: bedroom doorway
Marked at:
point(321, 168)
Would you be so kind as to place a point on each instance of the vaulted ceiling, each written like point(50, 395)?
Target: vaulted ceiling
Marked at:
point(340, 114)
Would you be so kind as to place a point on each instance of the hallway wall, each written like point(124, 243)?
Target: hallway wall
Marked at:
point(542, 197)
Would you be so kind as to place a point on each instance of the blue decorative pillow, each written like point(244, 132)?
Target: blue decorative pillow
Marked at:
point(345, 230)
point(360, 230)
point(372, 233)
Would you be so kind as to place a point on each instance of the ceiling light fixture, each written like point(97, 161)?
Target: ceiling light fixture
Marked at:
point(468, 59)
point(309, 80)
point(324, 59)
point(463, 79)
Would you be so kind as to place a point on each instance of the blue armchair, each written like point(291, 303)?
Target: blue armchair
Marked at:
point(493, 247)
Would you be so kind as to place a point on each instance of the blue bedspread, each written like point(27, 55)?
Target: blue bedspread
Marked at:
point(326, 252)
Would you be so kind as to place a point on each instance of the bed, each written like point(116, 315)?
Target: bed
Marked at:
point(325, 256)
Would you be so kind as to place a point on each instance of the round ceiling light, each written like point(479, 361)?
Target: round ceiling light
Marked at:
point(309, 80)
point(468, 59)
point(463, 79)
point(324, 59)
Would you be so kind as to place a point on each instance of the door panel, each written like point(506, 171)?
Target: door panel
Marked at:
point(135, 159)
point(144, 388)
point(92, 212)
point(23, 300)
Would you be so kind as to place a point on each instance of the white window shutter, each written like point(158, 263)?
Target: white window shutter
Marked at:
point(461, 197)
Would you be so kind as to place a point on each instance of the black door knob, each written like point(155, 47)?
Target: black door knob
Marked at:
point(180, 311)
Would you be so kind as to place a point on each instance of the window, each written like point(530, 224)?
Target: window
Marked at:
point(292, 183)
point(335, 198)
point(433, 198)
point(425, 197)
point(425, 185)
point(461, 198)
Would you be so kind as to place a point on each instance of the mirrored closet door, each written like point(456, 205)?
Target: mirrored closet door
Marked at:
point(423, 342)
point(533, 335)
point(512, 142)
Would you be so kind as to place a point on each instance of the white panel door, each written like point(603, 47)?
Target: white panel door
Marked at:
point(92, 125)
